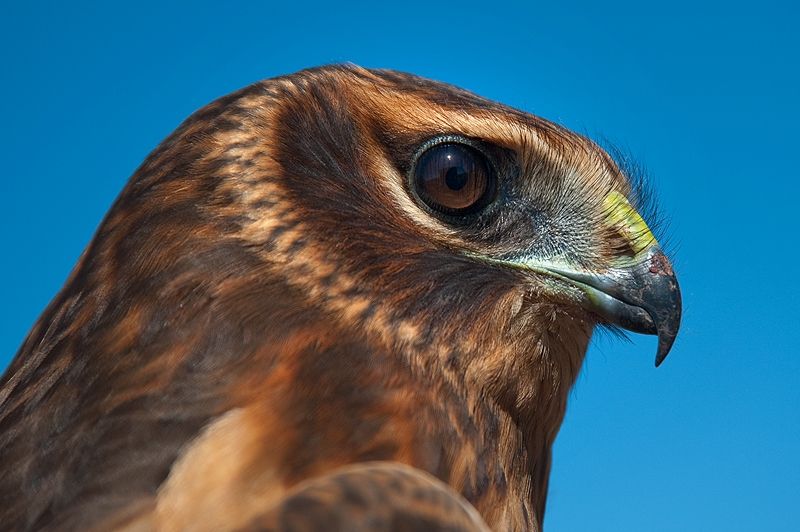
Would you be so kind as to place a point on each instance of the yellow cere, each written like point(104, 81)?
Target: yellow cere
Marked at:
point(628, 222)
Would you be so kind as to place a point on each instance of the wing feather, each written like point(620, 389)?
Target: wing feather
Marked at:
point(374, 497)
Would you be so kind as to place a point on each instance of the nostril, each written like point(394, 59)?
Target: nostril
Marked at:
point(620, 245)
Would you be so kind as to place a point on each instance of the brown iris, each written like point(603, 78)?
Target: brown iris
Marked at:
point(453, 179)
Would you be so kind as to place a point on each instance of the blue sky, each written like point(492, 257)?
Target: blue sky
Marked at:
point(705, 97)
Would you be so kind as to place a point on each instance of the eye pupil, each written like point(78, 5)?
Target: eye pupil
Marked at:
point(453, 178)
point(456, 177)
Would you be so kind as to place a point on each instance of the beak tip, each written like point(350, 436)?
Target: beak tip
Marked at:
point(667, 331)
point(664, 347)
point(665, 306)
point(666, 339)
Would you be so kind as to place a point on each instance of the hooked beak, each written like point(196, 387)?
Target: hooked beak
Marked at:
point(638, 293)
point(644, 297)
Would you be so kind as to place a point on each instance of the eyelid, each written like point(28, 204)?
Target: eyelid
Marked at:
point(455, 139)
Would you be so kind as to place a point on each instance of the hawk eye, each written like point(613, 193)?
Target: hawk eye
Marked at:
point(453, 179)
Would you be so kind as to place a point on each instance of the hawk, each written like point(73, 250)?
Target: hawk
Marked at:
point(343, 299)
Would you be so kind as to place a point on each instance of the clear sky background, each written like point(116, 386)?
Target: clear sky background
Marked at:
point(705, 97)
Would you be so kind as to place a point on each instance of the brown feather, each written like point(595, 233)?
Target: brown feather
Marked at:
point(264, 304)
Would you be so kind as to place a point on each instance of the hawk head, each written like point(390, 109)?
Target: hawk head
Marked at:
point(337, 240)
point(449, 226)
point(453, 230)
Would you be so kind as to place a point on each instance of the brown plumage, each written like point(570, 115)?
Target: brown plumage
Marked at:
point(271, 329)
